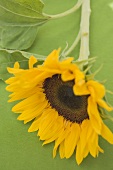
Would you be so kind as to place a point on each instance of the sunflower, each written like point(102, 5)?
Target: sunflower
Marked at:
point(64, 107)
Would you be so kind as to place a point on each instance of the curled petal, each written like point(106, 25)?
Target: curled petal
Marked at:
point(96, 89)
point(80, 90)
point(67, 76)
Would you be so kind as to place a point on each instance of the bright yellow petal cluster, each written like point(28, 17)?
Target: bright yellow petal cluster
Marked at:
point(27, 85)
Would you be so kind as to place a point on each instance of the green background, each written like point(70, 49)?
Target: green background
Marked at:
point(20, 150)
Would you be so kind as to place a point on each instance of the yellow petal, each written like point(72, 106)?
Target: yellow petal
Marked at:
point(35, 125)
point(80, 90)
point(34, 112)
point(32, 61)
point(12, 87)
point(79, 75)
point(86, 151)
point(16, 65)
point(14, 70)
point(85, 126)
point(106, 133)
point(47, 118)
point(53, 138)
point(39, 78)
point(72, 139)
point(94, 115)
point(66, 76)
point(28, 102)
point(67, 61)
point(26, 93)
point(27, 120)
point(11, 80)
point(66, 65)
point(93, 144)
point(55, 131)
point(103, 104)
point(100, 149)
point(79, 156)
point(61, 137)
point(58, 141)
point(52, 60)
point(62, 150)
point(48, 124)
point(96, 89)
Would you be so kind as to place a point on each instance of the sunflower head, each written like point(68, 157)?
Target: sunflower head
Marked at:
point(63, 104)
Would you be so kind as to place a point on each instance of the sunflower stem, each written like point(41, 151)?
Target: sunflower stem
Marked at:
point(83, 35)
point(73, 9)
point(84, 29)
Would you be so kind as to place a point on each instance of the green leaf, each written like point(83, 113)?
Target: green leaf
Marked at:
point(20, 21)
point(8, 60)
point(24, 54)
point(18, 37)
point(21, 13)
point(9, 57)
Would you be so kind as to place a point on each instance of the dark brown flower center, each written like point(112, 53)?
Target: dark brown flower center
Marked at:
point(61, 97)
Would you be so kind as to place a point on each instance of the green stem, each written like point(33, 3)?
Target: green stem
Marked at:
point(84, 28)
point(83, 34)
point(77, 6)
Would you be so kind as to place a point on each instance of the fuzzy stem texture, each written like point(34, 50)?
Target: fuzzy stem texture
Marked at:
point(84, 29)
